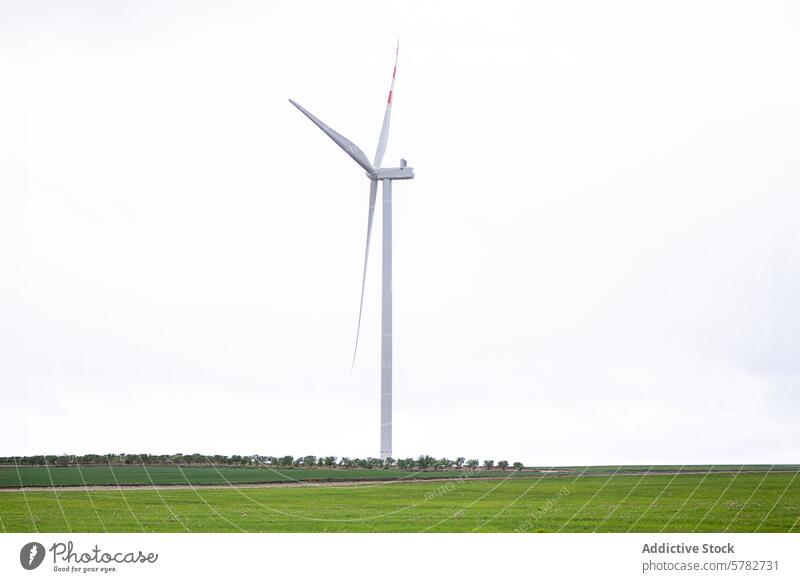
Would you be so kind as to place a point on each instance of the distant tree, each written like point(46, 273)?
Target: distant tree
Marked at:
point(488, 464)
point(460, 462)
point(329, 461)
point(424, 462)
point(473, 463)
point(410, 463)
point(444, 463)
point(346, 462)
point(518, 466)
point(309, 461)
point(402, 464)
point(388, 462)
point(503, 465)
point(286, 461)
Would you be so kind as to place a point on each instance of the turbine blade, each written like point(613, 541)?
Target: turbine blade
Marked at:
point(384, 138)
point(349, 147)
point(373, 192)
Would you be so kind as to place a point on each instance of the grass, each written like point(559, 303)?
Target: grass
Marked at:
point(708, 502)
point(37, 476)
point(168, 475)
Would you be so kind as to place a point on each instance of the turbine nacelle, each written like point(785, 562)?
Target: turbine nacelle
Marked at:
point(404, 172)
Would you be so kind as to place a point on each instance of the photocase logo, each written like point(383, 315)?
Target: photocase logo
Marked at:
point(31, 555)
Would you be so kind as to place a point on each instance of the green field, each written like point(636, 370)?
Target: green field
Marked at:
point(169, 475)
point(38, 476)
point(703, 502)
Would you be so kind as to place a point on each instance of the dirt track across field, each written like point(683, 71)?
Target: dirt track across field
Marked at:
point(274, 485)
point(357, 483)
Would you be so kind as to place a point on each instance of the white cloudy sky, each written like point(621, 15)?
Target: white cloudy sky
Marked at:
point(598, 261)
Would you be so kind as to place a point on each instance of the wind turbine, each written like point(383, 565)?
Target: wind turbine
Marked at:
point(376, 173)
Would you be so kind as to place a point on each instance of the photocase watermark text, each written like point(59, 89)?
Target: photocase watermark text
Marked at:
point(65, 552)
point(450, 484)
point(535, 516)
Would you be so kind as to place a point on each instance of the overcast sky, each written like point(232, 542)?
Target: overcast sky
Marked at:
point(598, 261)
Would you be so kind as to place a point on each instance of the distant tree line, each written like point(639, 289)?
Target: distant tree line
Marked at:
point(421, 463)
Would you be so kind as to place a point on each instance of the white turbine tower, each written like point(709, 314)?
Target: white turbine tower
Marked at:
point(377, 173)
